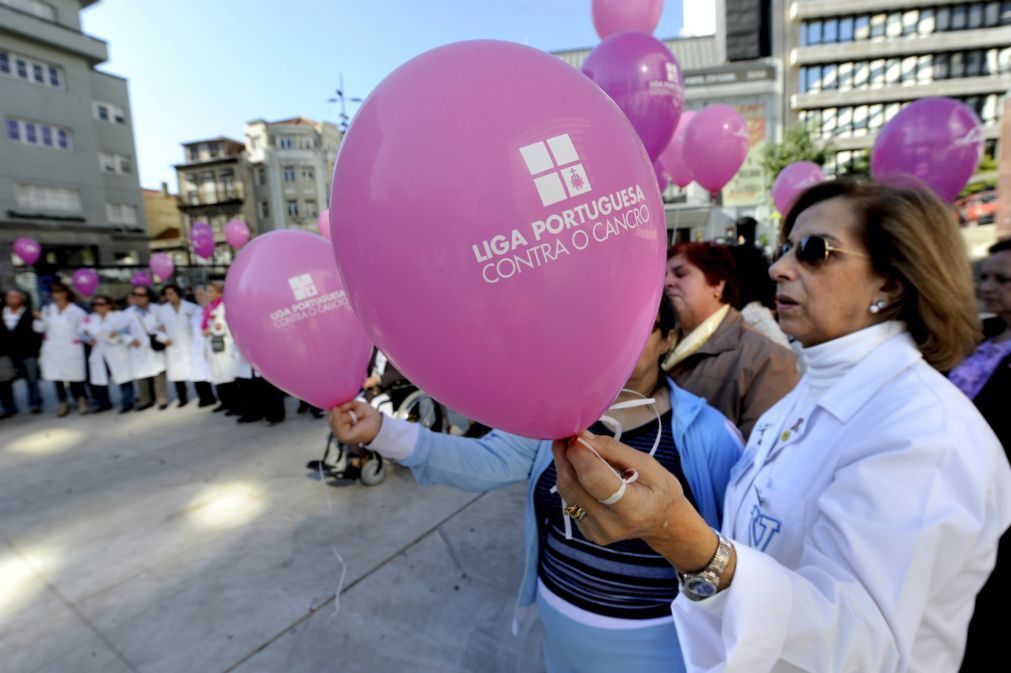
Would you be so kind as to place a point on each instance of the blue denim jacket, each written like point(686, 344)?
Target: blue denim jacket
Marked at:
point(709, 446)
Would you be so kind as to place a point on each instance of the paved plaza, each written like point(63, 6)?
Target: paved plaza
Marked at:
point(180, 542)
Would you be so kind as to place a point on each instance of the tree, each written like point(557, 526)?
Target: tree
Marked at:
point(798, 145)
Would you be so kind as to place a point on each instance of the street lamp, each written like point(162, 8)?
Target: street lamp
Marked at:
point(340, 98)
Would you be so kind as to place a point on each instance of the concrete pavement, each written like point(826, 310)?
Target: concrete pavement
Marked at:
point(179, 542)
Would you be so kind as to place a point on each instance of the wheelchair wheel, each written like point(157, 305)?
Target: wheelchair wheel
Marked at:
point(422, 409)
point(372, 471)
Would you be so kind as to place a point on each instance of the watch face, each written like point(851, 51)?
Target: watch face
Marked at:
point(701, 587)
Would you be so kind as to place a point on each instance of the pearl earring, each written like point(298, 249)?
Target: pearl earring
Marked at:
point(877, 306)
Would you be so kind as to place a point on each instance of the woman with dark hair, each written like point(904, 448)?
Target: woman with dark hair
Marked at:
point(108, 333)
point(865, 514)
point(757, 295)
point(602, 608)
point(717, 356)
point(62, 357)
point(177, 318)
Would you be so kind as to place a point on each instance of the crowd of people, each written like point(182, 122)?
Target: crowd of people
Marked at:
point(140, 346)
point(826, 491)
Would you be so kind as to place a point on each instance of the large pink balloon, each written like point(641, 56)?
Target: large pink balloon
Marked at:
point(85, 281)
point(615, 16)
point(510, 258)
point(203, 246)
point(28, 250)
point(291, 318)
point(162, 265)
point(793, 180)
point(236, 233)
point(643, 78)
point(672, 158)
point(937, 140)
point(716, 144)
point(323, 223)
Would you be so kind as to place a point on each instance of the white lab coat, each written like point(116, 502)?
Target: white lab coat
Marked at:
point(222, 364)
point(145, 361)
point(178, 330)
point(111, 336)
point(864, 536)
point(200, 369)
point(62, 354)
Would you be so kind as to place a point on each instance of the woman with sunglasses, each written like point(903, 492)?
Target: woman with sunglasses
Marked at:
point(61, 359)
point(985, 377)
point(864, 516)
point(108, 333)
point(717, 355)
point(602, 608)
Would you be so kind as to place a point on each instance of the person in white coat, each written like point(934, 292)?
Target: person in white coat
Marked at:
point(177, 319)
point(61, 359)
point(220, 350)
point(147, 351)
point(200, 370)
point(108, 332)
point(865, 514)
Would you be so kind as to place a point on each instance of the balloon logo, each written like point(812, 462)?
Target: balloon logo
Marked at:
point(291, 318)
point(506, 237)
point(85, 281)
point(28, 250)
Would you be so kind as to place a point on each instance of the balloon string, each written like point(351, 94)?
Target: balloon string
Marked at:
point(333, 547)
point(615, 426)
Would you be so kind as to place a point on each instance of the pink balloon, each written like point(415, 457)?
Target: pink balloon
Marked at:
point(662, 176)
point(643, 78)
point(615, 16)
point(28, 250)
point(291, 318)
point(936, 140)
point(203, 247)
point(162, 265)
point(200, 225)
point(85, 281)
point(792, 181)
point(516, 275)
point(715, 146)
point(672, 158)
point(323, 223)
point(141, 278)
point(236, 233)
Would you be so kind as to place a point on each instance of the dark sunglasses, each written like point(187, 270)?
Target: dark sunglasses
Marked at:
point(99, 303)
point(998, 278)
point(813, 250)
point(138, 294)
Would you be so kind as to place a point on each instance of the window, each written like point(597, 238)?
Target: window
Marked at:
point(802, 86)
point(44, 198)
point(814, 78)
point(813, 32)
point(103, 112)
point(828, 121)
point(924, 69)
point(30, 133)
point(927, 22)
point(846, 29)
point(1005, 13)
point(13, 129)
point(214, 149)
point(54, 77)
point(47, 135)
point(227, 177)
point(107, 162)
point(860, 120)
point(991, 66)
point(22, 69)
point(293, 208)
point(990, 109)
point(891, 110)
point(957, 68)
point(878, 26)
point(285, 142)
point(310, 208)
point(959, 17)
point(893, 71)
point(192, 196)
point(5, 63)
point(974, 63)
point(943, 18)
point(38, 74)
point(1004, 60)
point(942, 66)
point(893, 25)
point(877, 73)
point(63, 139)
point(261, 176)
point(845, 76)
point(862, 27)
point(125, 165)
point(909, 70)
point(308, 174)
point(289, 174)
point(34, 7)
point(861, 74)
point(829, 77)
point(830, 31)
point(844, 128)
point(30, 70)
point(264, 209)
point(975, 16)
point(875, 117)
point(121, 213)
point(910, 21)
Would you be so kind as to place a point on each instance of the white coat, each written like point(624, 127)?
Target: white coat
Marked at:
point(222, 364)
point(62, 354)
point(865, 525)
point(111, 336)
point(145, 361)
point(178, 329)
point(200, 369)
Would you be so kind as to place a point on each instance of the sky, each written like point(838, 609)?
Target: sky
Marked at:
point(203, 68)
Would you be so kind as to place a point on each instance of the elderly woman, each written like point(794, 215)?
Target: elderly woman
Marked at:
point(985, 377)
point(719, 357)
point(864, 516)
point(108, 332)
point(602, 608)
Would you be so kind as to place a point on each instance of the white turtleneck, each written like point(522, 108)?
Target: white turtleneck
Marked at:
point(827, 363)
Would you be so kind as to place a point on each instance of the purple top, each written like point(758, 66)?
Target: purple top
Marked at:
point(976, 370)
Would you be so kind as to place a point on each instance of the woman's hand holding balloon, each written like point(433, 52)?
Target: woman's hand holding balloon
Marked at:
point(355, 422)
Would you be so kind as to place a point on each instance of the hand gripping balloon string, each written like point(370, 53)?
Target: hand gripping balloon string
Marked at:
point(629, 476)
point(354, 417)
point(333, 548)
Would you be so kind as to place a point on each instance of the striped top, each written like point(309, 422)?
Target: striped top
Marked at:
point(625, 580)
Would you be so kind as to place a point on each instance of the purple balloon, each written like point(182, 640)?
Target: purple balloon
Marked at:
point(643, 78)
point(85, 281)
point(323, 223)
point(716, 144)
point(236, 233)
point(673, 156)
point(200, 226)
point(28, 249)
point(141, 278)
point(616, 16)
point(162, 265)
point(203, 247)
point(936, 140)
point(662, 176)
point(793, 180)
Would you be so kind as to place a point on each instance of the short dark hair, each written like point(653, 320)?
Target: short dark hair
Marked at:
point(63, 287)
point(147, 290)
point(172, 286)
point(1000, 246)
point(716, 264)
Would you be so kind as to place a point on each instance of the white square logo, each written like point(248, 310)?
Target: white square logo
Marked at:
point(672, 72)
point(557, 175)
point(303, 287)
